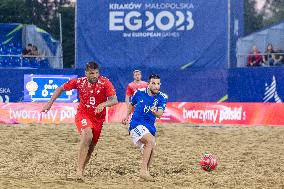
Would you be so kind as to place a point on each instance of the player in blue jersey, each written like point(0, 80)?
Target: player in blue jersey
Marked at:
point(149, 104)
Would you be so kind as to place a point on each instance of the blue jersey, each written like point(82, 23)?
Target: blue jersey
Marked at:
point(142, 114)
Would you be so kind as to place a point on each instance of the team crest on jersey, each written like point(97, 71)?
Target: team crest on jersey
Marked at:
point(155, 102)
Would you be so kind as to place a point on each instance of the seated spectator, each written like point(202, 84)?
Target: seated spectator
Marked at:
point(34, 51)
point(269, 54)
point(278, 57)
point(28, 50)
point(255, 58)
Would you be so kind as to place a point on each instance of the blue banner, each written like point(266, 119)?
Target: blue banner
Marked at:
point(40, 88)
point(11, 34)
point(11, 89)
point(141, 33)
point(194, 85)
point(256, 85)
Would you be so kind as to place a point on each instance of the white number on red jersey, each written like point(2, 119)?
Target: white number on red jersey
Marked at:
point(84, 122)
point(92, 100)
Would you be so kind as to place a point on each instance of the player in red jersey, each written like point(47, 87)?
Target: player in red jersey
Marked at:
point(134, 85)
point(96, 92)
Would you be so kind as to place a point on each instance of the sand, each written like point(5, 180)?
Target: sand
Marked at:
point(44, 156)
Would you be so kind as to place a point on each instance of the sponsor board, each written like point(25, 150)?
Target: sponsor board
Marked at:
point(176, 112)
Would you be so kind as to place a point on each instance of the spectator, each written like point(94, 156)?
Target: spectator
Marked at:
point(269, 54)
point(28, 50)
point(35, 51)
point(255, 58)
point(134, 85)
point(278, 57)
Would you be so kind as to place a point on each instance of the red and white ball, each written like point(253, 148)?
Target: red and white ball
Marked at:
point(208, 162)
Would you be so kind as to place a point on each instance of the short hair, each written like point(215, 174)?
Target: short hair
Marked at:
point(30, 45)
point(91, 66)
point(135, 71)
point(154, 76)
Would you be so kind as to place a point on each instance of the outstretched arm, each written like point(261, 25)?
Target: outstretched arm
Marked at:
point(55, 95)
point(112, 100)
point(126, 118)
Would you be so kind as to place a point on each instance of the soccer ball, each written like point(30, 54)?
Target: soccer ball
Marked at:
point(208, 162)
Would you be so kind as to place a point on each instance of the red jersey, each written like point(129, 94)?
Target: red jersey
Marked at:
point(133, 86)
point(91, 95)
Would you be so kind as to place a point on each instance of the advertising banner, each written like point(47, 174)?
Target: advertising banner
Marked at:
point(39, 88)
point(256, 85)
point(269, 114)
point(144, 33)
point(11, 85)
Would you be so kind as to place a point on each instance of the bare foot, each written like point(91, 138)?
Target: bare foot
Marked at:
point(79, 177)
point(146, 176)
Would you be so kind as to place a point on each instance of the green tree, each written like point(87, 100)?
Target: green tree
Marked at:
point(273, 11)
point(44, 14)
point(14, 11)
point(253, 18)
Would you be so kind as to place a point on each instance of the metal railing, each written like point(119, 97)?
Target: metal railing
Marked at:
point(30, 61)
point(242, 59)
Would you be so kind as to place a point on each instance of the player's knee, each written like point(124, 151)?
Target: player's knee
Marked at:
point(87, 135)
point(150, 142)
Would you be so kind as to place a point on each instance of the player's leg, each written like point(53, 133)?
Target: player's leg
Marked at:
point(86, 140)
point(84, 126)
point(147, 157)
point(142, 138)
point(97, 127)
point(151, 158)
point(89, 154)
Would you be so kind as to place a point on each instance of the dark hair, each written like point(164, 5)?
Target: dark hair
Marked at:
point(269, 44)
point(91, 66)
point(30, 45)
point(154, 76)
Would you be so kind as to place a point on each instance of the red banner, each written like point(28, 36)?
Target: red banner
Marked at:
point(176, 112)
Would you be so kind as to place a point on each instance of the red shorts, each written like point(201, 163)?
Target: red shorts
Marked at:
point(83, 121)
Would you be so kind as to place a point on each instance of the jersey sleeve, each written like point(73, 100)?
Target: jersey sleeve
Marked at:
point(71, 84)
point(162, 102)
point(129, 91)
point(110, 91)
point(135, 97)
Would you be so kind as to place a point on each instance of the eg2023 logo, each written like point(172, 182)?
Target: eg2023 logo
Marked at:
point(148, 21)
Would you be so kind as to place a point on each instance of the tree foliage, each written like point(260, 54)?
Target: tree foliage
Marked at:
point(44, 14)
point(253, 18)
point(273, 12)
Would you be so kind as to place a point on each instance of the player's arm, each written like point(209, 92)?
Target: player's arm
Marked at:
point(157, 113)
point(161, 106)
point(129, 111)
point(111, 100)
point(128, 95)
point(130, 107)
point(127, 99)
point(55, 95)
point(71, 84)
